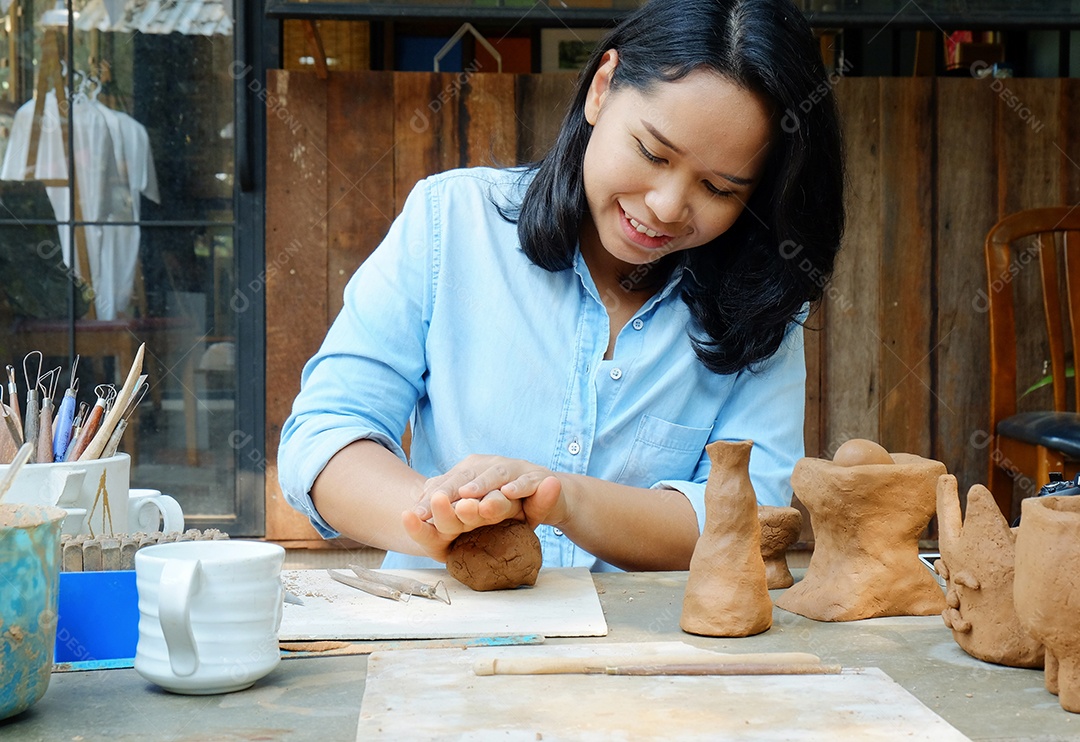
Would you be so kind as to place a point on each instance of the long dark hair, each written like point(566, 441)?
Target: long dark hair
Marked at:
point(750, 283)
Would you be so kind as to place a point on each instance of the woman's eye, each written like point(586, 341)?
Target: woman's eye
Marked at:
point(717, 191)
point(647, 154)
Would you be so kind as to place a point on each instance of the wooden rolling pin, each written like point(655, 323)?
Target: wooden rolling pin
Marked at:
point(778, 663)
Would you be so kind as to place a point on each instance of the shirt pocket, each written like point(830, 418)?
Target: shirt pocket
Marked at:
point(662, 450)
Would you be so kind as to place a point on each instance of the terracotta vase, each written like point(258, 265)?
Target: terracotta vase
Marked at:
point(726, 592)
point(977, 560)
point(1047, 588)
point(866, 519)
point(779, 530)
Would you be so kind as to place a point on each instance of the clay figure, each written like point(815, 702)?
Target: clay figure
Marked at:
point(497, 557)
point(726, 592)
point(1047, 588)
point(779, 529)
point(978, 559)
point(867, 516)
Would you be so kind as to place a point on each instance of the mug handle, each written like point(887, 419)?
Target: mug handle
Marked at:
point(146, 512)
point(179, 581)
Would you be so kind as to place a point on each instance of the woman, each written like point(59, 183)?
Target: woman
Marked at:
point(567, 338)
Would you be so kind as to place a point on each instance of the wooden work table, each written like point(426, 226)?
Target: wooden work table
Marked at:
point(318, 698)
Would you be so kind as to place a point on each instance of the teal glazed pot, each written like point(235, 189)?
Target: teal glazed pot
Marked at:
point(29, 591)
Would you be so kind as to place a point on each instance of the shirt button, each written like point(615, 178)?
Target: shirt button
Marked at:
point(556, 531)
point(574, 448)
point(616, 373)
point(638, 323)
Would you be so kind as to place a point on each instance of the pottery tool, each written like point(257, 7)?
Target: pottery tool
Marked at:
point(65, 416)
point(76, 430)
point(334, 648)
point(715, 668)
point(12, 437)
point(30, 417)
point(141, 388)
point(704, 663)
point(406, 585)
point(97, 443)
point(91, 423)
point(13, 394)
point(370, 587)
point(25, 451)
point(45, 417)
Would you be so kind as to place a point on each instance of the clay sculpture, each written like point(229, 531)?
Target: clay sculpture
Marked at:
point(497, 557)
point(726, 592)
point(978, 559)
point(867, 516)
point(1047, 588)
point(779, 529)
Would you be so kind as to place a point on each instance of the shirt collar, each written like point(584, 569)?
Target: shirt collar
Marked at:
point(674, 280)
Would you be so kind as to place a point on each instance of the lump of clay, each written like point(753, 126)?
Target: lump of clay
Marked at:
point(497, 557)
point(977, 560)
point(867, 516)
point(779, 530)
point(1047, 588)
point(726, 592)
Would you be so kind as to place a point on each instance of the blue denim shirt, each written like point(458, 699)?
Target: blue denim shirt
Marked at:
point(448, 325)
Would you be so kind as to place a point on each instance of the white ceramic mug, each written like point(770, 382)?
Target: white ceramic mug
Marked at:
point(149, 510)
point(209, 613)
point(101, 488)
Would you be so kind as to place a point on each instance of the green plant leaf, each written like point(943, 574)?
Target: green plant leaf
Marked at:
point(1047, 381)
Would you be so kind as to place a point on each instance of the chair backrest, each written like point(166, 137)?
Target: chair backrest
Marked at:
point(1003, 262)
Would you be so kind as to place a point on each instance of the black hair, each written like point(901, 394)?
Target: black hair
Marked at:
point(747, 286)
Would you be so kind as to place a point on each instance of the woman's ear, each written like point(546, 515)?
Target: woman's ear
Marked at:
point(600, 85)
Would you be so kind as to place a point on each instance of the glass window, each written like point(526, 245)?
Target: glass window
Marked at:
point(117, 195)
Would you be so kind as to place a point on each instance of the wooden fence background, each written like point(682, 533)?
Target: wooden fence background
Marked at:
point(899, 349)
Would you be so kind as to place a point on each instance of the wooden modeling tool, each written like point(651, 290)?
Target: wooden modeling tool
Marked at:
point(114, 440)
point(787, 663)
point(97, 443)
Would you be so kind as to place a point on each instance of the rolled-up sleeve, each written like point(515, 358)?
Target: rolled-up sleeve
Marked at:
point(367, 376)
point(768, 407)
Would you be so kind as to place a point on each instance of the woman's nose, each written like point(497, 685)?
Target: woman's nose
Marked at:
point(667, 201)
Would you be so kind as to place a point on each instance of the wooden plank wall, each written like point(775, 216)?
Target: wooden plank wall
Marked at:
point(899, 349)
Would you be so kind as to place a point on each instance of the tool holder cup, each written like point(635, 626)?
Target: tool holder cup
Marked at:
point(209, 614)
point(96, 497)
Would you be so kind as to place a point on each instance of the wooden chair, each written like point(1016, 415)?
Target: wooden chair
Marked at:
point(1034, 443)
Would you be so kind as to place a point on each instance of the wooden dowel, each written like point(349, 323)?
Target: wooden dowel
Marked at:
point(726, 668)
point(578, 665)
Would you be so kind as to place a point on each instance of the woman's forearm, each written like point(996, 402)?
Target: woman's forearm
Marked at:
point(632, 528)
point(362, 492)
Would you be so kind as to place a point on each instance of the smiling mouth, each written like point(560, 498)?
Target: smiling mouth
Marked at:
point(642, 228)
point(641, 234)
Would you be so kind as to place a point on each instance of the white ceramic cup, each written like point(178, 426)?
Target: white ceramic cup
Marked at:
point(91, 485)
point(149, 510)
point(209, 613)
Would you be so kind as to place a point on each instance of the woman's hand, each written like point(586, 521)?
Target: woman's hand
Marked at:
point(479, 491)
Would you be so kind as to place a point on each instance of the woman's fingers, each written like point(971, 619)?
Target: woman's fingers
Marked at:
point(525, 485)
point(433, 543)
point(547, 504)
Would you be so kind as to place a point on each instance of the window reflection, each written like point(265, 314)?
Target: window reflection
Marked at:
point(117, 223)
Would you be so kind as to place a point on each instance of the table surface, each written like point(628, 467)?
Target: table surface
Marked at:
point(318, 698)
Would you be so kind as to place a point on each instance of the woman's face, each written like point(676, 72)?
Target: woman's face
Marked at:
point(672, 167)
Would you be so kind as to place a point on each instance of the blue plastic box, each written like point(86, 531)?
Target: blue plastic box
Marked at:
point(99, 617)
